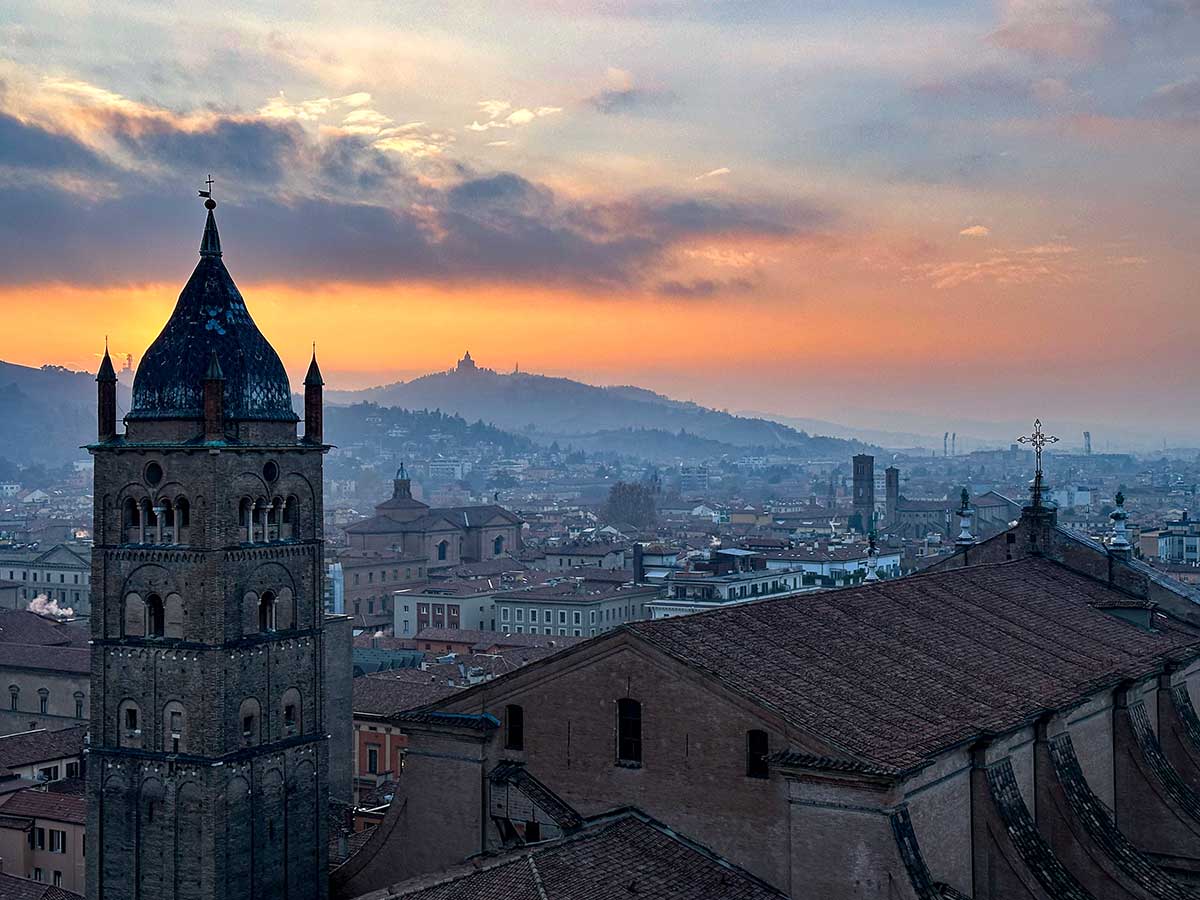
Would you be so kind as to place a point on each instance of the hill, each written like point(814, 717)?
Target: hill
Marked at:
point(46, 414)
point(549, 408)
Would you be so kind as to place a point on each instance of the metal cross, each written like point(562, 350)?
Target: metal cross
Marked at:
point(209, 182)
point(1038, 440)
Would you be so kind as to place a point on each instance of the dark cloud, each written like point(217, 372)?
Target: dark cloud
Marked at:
point(248, 149)
point(25, 146)
point(614, 101)
point(347, 212)
point(701, 288)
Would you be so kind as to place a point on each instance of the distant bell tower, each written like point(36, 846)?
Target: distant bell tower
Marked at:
point(207, 762)
point(864, 491)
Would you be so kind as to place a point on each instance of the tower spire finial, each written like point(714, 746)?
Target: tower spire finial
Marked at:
point(1038, 440)
point(210, 244)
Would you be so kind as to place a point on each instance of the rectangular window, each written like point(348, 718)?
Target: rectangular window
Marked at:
point(629, 730)
point(533, 614)
point(37, 873)
point(503, 618)
point(72, 770)
point(57, 878)
point(43, 704)
point(373, 760)
point(58, 841)
point(592, 618)
point(131, 719)
point(576, 618)
point(176, 721)
point(562, 617)
point(38, 838)
point(49, 773)
point(514, 727)
point(520, 614)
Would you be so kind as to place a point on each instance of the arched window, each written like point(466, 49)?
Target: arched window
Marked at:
point(79, 710)
point(129, 724)
point(183, 512)
point(14, 697)
point(173, 616)
point(285, 610)
point(249, 723)
point(514, 727)
point(291, 713)
point(245, 514)
point(155, 616)
point(498, 545)
point(442, 547)
point(758, 748)
point(291, 518)
point(174, 728)
point(135, 616)
point(266, 612)
point(43, 701)
point(130, 516)
point(629, 731)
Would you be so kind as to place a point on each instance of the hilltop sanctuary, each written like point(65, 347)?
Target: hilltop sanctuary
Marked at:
point(208, 762)
point(1020, 724)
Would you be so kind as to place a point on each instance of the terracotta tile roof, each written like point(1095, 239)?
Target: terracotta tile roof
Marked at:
point(39, 804)
point(14, 888)
point(18, 626)
point(892, 673)
point(77, 660)
point(384, 695)
point(29, 747)
point(612, 858)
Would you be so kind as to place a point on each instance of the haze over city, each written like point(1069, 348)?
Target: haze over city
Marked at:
point(855, 212)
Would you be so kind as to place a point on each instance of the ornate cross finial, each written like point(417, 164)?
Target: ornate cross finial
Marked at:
point(209, 202)
point(1038, 440)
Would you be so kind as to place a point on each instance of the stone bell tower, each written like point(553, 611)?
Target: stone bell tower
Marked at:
point(207, 762)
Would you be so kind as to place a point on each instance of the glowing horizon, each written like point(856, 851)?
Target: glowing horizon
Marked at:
point(859, 212)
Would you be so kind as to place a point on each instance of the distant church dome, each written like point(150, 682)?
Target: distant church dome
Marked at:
point(211, 317)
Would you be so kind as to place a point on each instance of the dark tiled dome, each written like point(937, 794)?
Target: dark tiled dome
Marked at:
point(211, 317)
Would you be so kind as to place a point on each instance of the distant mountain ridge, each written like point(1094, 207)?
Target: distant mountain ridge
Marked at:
point(47, 413)
point(561, 409)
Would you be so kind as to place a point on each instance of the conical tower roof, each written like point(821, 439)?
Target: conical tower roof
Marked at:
point(210, 318)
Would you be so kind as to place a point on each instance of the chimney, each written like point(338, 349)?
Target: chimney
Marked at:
point(314, 416)
point(106, 400)
point(214, 401)
point(639, 568)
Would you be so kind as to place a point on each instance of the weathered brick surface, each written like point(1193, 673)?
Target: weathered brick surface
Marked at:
point(222, 817)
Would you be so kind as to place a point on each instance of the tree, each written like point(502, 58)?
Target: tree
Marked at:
point(630, 503)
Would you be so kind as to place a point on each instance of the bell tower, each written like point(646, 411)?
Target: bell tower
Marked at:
point(207, 762)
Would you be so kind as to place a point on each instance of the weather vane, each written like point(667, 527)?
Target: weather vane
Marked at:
point(1038, 441)
point(209, 202)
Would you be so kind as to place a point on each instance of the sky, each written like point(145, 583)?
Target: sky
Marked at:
point(869, 212)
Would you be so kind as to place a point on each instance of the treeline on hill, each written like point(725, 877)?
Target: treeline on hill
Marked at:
point(371, 422)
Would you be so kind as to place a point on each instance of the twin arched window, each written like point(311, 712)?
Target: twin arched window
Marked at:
point(160, 521)
point(154, 616)
point(269, 611)
point(261, 519)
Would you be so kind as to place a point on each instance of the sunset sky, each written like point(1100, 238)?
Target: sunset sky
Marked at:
point(870, 212)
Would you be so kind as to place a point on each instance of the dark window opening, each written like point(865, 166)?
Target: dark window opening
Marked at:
point(289, 719)
point(629, 730)
point(758, 747)
point(533, 832)
point(154, 615)
point(131, 719)
point(266, 612)
point(514, 722)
